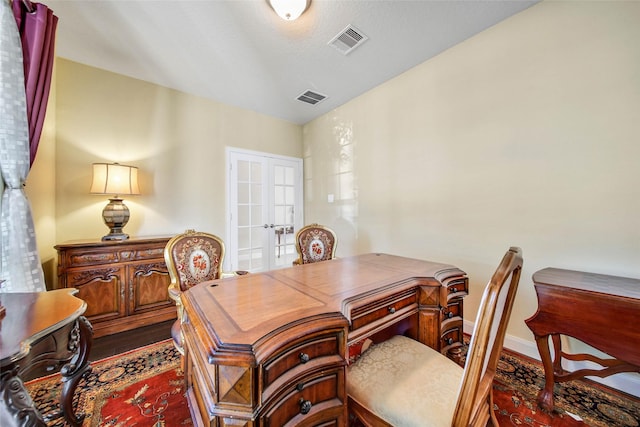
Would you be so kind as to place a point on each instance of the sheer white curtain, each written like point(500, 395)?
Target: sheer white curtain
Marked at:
point(20, 265)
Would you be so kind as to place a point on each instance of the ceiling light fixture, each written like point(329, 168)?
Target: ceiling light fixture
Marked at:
point(289, 10)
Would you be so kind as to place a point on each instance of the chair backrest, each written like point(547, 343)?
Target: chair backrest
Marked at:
point(315, 243)
point(193, 257)
point(487, 340)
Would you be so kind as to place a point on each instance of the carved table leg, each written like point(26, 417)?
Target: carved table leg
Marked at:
point(77, 368)
point(16, 403)
point(557, 354)
point(545, 396)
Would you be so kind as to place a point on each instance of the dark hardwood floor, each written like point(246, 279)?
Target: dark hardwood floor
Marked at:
point(111, 345)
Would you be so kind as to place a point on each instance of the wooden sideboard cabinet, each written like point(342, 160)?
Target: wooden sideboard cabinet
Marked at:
point(124, 283)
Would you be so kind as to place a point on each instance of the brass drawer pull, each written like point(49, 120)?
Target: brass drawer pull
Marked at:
point(305, 406)
point(304, 357)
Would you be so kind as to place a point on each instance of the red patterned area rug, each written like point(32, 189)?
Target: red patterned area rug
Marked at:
point(577, 403)
point(145, 388)
point(142, 388)
point(512, 408)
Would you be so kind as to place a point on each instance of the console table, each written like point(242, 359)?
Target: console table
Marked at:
point(270, 349)
point(41, 332)
point(599, 310)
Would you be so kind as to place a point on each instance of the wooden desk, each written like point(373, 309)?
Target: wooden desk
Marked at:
point(599, 310)
point(41, 332)
point(270, 349)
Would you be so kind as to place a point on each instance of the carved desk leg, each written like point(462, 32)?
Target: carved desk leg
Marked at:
point(78, 367)
point(17, 406)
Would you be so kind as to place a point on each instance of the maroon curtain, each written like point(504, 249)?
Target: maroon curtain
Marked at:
point(37, 26)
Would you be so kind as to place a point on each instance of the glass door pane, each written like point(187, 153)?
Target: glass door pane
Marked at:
point(284, 215)
point(250, 207)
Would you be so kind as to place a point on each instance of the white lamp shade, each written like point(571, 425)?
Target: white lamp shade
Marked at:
point(114, 178)
point(289, 9)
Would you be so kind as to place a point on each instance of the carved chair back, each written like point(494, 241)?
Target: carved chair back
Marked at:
point(315, 243)
point(475, 401)
point(191, 257)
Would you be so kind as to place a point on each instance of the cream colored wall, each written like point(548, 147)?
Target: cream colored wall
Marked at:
point(527, 134)
point(177, 140)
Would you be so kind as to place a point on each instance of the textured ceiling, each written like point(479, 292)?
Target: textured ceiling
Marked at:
point(239, 52)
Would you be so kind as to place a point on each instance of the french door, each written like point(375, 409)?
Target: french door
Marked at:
point(265, 210)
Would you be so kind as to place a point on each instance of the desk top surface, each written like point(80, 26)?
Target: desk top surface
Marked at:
point(242, 310)
point(591, 282)
point(31, 316)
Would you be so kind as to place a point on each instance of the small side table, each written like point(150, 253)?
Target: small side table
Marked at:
point(40, 332)
point(599, 310)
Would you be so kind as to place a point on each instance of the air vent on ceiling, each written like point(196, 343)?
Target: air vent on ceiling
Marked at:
point(348, 39)
point(311, 97)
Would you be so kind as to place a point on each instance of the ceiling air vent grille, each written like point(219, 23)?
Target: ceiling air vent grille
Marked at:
point(348, 39)
point(311, 97)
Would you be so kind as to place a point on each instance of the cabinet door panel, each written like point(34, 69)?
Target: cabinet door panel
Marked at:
point(104, 293)
point(149, 287)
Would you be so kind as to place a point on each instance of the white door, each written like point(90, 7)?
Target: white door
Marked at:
point(265, 210)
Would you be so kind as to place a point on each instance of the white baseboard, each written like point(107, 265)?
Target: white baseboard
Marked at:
point(627, 382)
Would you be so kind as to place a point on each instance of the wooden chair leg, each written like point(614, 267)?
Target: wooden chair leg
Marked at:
point(492, 412)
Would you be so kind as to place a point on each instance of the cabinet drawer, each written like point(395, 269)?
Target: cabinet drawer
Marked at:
point(368, 313)
point(312, 400)
point(108, 255)
point(304, 354)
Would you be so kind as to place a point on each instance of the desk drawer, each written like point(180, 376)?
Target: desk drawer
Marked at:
point(314, 400)
point(368, 313)
point(457, 287)
point(453, 310)
point(304, 354)
point(451, 336)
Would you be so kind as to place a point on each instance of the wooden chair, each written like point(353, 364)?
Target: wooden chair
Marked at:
point(191, 257)
point(401, 382)
point(315, 243)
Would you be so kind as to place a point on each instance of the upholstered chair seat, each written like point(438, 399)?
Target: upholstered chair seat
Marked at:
point(404, 383)
point(389, 378)
point(315, 243)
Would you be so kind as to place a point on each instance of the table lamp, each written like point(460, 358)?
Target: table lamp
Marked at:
point(117, 180)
